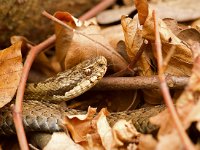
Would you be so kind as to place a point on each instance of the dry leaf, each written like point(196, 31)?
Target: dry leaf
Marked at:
point(105, 132)
point(86, 42)
point(190, 36)
point(147, 142)
point(11, 69)
point(193, 115)
point(113, 34)
point(181, 62)
point(170, 141)
point(25, 42)
point(187, 107)
point(196, 24)
point(124, 132)
point(61, 141)
point(80, 125)
point(191, 92)
point(134, 41)
point(48, 66)
point(164, 121)
point(173, 25)
point(83, 128)
point(142, 8)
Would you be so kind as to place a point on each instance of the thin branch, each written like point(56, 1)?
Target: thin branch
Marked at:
point(80, 33)
point(130, 67)
point(139, 82)
point(17, 108)
point(168, 57)
point(165, 91)
point(98, 8)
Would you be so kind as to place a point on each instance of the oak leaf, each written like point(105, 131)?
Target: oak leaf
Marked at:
point(85, 42)
point(181, 61)
point(11, 70)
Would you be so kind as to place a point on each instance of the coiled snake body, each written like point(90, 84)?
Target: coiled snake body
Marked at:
point(40, 115)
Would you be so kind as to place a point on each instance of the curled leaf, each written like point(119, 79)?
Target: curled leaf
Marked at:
point(142, 8)
point(81, 43)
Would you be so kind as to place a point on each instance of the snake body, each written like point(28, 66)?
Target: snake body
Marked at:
point(39, 115)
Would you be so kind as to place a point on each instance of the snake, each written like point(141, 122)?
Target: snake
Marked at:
point(42, 111)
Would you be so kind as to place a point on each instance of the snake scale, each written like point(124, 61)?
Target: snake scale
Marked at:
point(41, 111)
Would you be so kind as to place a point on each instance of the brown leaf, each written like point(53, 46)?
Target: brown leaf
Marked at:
point(11, 69)
point(164, 121)
point(172, 25)
point(181, 62)
point(105, 132)
point(60, 140)
point(84, 128)
point(62, 32)
point(190, 36)
point(134, 41)
point(147, 142)
point(84, 43)
point(142, 8)
point(191, 92)
point(124, 132)
point(196, 24)
point(113, 34)
point(80, 125)
point(170, 141)
point(193, 115)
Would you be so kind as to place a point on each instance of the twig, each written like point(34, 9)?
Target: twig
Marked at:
point(168, 57)
point(80, 33)
point(139, 82)
point(17, 108)
point(133, 101)
point(130, 67)
point(165, 91)
point(98, 8)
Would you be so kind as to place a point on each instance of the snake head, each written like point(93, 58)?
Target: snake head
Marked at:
point(70, 83)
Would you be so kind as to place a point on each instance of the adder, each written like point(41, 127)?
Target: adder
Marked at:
point(41, 109)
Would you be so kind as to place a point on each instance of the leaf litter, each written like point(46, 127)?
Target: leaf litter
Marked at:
point(92, 131)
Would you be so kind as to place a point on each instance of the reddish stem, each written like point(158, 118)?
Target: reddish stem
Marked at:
point(98, 8)
point(17, 108)
point(165, 91)
point(130, 67)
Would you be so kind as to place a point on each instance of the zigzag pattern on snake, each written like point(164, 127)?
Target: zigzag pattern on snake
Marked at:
point(42, 113)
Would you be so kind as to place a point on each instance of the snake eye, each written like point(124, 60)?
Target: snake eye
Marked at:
point(101, 65)
point(88, 71)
